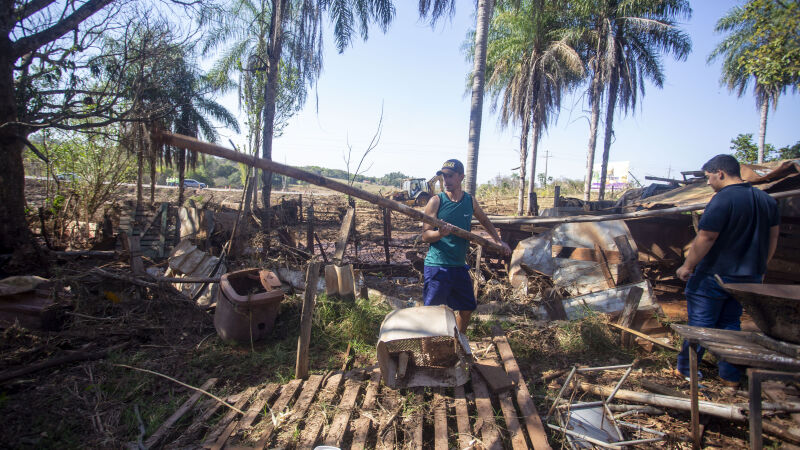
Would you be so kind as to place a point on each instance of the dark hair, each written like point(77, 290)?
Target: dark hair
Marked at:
point(725, 163)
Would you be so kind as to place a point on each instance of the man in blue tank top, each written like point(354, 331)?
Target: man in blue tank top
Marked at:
point(737, 236)
point(446, 273)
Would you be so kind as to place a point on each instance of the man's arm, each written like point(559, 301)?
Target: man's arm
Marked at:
point(773, 242)
point(487, 224)
point(700, 246)
point(430, 235)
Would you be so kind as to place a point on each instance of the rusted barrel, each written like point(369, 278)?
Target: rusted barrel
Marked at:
point(248, 304)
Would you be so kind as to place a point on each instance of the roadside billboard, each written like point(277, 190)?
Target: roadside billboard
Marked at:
point(616, 178)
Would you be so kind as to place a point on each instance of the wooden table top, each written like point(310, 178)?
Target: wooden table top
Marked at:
point(737, 347)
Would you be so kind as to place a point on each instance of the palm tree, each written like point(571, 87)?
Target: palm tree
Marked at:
point(750, 50)
point(622, 39)
point(167, 89)
point(484, 15)
point(640, 33)
point(529, 65)
point(288, 40)
point(193, 111)
point(242, 30)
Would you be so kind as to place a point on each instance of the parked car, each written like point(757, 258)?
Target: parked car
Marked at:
point(68, 176)
point(190, 183)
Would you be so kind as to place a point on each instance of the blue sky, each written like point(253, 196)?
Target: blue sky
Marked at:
point(419, 75)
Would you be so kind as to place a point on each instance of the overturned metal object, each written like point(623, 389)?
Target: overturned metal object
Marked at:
point(775, 308)
point(422, 347)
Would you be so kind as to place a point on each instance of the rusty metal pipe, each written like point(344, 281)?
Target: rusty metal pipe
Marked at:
point(190, 143)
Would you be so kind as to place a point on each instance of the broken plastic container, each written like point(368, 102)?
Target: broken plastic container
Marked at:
point(248, 305)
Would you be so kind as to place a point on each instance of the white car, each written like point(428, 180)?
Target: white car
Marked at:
point(190, 183)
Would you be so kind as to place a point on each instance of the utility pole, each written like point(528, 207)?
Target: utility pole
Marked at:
point(546, 158)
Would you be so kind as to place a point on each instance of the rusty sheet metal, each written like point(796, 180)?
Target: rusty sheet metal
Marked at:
point(775, 308)
point(574, 276)
point(662, 238)
point(187, 260)
point(583, 277)
point(607, 301)
point(770, 177)
point(532, 254)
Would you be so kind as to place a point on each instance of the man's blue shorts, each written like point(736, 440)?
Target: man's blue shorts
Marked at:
point(451, 286)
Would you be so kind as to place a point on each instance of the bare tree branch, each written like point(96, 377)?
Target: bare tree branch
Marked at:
point(60, 28)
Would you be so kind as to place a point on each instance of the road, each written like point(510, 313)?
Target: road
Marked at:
point(163, 186)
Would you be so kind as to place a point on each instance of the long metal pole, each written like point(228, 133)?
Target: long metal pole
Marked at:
point(190, 143)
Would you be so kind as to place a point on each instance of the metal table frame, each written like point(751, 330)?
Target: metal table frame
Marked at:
point(692, 335)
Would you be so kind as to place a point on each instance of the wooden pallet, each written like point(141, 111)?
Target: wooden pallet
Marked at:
point(355, 410)
point(153, 228)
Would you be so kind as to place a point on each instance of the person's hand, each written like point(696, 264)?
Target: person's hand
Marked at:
point(684, 272)
point(445, 230)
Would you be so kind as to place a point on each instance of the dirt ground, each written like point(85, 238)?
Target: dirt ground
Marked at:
point(104, 403)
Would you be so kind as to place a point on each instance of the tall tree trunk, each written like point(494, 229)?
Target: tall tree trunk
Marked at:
point(484, 14)
point(596, 98)
point(536, 134)
point(279, 13)
point(152, 180)
point(762, 130)
point(248, 195)
point(181, 175)
point(139, 172)
point(613, 89)
point(523, 161)
point(13, 226)
point(523, 140)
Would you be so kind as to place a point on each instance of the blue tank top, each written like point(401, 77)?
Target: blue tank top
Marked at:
point(451, 250)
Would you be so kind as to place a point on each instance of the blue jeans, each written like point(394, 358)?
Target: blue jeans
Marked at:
point(710, 306)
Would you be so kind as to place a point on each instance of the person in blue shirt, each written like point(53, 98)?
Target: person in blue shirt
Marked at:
point(446, 274)
point(737, 236)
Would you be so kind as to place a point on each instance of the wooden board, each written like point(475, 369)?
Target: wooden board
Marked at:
point(342, 418)
point(412, 423)
point(363, 425)
point(200, 422)
point(737, 348)
point(386, 436)
point(250, 415)
point(462, 418)
point(439, 420)
point(533, 423)
point(512, 422)
point(485, 423)
point(317, 419)
point(228, 418)
point(287, 395)
point(303, 403)
point(167, 425)
point(382, 418)
point(344, 234)
point(494, 375)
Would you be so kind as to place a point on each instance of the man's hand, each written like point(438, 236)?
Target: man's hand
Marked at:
point(445, 230)
point(506, 248)
point(684, 272)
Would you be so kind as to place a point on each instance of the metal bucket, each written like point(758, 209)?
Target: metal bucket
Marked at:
point(248, 305)
point(775, 308)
